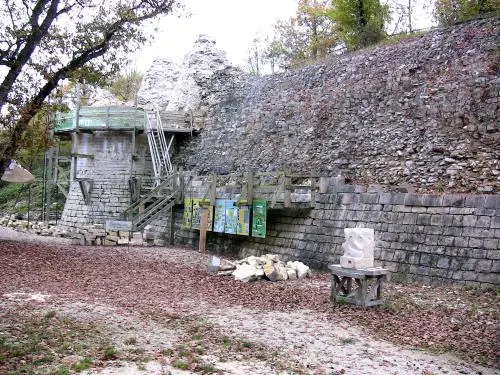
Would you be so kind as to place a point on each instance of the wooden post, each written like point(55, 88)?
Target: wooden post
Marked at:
point(203, 229)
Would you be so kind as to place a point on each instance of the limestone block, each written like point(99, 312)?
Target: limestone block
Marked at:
point(292, 274)
point(301, 269)
point(282, 272)
point(259, 273)
point(159, 242)
point(270, 271)
point(358, 248)
point(245, 273)
point(271, 258)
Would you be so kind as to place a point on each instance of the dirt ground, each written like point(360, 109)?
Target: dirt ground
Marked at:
point(141, 310)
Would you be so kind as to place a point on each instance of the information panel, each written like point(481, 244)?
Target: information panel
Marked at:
point(259, 218)
point(188, 213)
point(220, 215)
point(231, 224)
point(195, 221)
point(244, 221)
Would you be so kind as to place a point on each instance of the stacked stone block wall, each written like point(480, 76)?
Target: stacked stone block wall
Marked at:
point(431, 239)
point(113, 161)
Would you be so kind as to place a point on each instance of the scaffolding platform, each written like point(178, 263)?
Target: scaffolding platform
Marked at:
point(122, 118)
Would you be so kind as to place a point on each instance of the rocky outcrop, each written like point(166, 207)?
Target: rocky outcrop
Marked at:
point(183, 87)
point(197, 69)
point(158, 83)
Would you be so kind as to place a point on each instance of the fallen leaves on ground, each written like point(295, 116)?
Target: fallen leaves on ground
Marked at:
point(149, 280)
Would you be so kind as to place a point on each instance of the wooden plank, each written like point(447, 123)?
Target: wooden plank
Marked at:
point(84, 156)
point(294, 186)
point(302, 175)
point(341, 271)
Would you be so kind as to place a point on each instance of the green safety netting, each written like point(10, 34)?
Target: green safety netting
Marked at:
point(119, 118)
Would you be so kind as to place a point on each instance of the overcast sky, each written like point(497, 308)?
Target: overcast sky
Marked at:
point(233, 24)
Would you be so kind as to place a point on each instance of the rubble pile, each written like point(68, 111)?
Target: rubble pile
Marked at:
point(268, 267)
point(39, 227)
point(94, 234)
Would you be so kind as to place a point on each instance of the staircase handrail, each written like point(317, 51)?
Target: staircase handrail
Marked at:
point(149, 212)
point(163, 142)
point(152, 147)
point(150, 195)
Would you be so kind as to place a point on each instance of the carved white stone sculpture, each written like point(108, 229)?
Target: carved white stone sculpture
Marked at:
point(358, 248)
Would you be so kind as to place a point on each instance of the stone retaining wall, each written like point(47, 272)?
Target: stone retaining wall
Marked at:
point(423, 112)
point(431, 239)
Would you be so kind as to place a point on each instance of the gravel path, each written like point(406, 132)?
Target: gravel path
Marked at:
point(155, 295)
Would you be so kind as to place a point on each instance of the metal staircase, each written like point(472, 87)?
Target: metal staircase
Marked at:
point(158, 146)
point(165, 192)
point(148, 207)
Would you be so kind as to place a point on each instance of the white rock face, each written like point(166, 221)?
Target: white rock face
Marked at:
point(159, 83)
point(197, 68)
point(358, 248)
point(174, 87)
point(102, 98)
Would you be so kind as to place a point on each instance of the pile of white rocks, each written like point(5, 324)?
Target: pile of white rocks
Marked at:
point(94, 234)
point(38, 227)
point(268, 267)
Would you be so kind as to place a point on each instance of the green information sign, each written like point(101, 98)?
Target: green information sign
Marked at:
point(259, 218)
